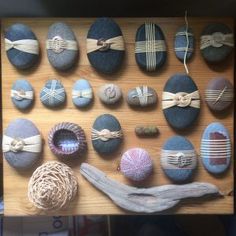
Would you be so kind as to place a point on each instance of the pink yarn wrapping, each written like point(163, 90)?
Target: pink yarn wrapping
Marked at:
point(136, 164)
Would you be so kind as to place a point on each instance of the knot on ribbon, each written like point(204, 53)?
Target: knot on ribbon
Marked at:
point(16, 145)
point(21, 94)
point(179, 160)
point(103, 45)
point(182, 99)
point(105, 134)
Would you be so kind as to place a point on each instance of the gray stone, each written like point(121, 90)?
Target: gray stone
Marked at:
point(109, 93)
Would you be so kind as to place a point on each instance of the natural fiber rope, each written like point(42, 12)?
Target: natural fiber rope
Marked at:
point(106, 134)
point(214, 95)
point(187, 45)
point(21, 94)
point(85, 93)
point(52, 186)
point(142, 95)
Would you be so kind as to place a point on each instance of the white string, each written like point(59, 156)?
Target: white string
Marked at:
point(187, 45)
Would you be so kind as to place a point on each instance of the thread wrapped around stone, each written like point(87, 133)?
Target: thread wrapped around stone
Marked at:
point(52, 186)
point(67, 139)
point(150, 130)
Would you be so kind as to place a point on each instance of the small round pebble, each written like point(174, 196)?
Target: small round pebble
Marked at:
point(22, 94)
point(136, 164)
point(110, 93)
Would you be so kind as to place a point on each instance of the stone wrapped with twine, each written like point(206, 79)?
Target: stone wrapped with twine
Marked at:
point(52, 186)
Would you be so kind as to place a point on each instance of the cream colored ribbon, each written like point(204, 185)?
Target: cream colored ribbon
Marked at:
point(106, 134)
point(85, 93)
point(31, 144)
point(142, 95)
point(23, 45)
point(216, 40)
point(21, 94)
point(116, 43)
point(180, 99)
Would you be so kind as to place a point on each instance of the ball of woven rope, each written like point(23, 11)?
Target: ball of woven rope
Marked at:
point(52, 186)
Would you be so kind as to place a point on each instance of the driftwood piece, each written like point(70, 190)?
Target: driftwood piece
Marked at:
point(145, 200)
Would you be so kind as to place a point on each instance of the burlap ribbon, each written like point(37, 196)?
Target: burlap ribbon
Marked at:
point(21, 94)
point(180, 99)
point(23, 45)
point(85, 93)
point(116, 43)
point(106, 134)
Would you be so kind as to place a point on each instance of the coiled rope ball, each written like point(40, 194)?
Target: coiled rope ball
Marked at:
point(52, 186)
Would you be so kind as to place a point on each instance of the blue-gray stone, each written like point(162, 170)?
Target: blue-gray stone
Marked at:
point(216, 148)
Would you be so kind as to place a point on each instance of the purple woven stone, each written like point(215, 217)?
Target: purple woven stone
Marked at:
point(136, 164)
point(67, 139)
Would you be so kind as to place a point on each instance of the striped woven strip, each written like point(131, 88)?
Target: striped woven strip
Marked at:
point(215, 95)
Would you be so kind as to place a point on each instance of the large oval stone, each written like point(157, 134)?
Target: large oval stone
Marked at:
point(20, 130)
point(16, 55)
point(106, 134)
point(150, 47)
point(216, 148)
point(106, 59)
point(178, 159)
point(62, 47)
point(180, 101)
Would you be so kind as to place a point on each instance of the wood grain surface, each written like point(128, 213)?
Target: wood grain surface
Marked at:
point(90, 200)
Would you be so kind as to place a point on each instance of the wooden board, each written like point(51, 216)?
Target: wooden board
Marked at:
point(90, 200)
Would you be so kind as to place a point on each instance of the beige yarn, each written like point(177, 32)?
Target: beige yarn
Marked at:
point(52, 186)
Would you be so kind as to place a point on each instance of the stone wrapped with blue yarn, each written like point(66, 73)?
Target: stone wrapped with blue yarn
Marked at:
point(20, 55)
point(217, 42)
point(178, 159)
point(216, 148)
point(180, 43)
point(105, 45)
point(53, 94)
point(150, 47)
point(62, 47)
point(106, 134)
point(82, 93)
point(22, 94)
point(180, 101)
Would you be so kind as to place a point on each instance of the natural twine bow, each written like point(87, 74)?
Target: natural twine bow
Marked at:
point(85, 93)
point(23, 45)
point(31, 144)
point(21, 94)
point(217, 40)
point(180, 99)
point(116, 43)
point(105, 134)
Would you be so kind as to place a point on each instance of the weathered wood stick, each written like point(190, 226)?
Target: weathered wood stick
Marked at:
point(145, 200)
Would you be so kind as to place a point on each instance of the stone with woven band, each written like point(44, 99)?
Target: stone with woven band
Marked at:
point(67, 140)
point(52, 186)
point(21, 144)
point(21, 46)
point(105, 45)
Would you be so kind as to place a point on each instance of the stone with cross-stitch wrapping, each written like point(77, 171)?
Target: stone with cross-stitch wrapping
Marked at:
point(82, 93)
point(216, 148)
point(105, 46)
point(53, 94)
point(178, 159)
point(106, 134)
point(21, 46)
point(219, 94)
point(182, 39)
point(216, 42)
point(150, 47)
point(62, 46)
point(22, 94)
point(22, 144)
point(142, 96)
point(180, 101)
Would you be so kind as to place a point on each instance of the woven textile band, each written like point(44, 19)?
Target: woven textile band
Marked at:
point(142, 94)
point(116, 43)
point(106, 134)
point(217, 40)
point(31, 144)
point(215, 95)
point(85, 93)
point(180, 99)
point(23, 45)
point(21, 94)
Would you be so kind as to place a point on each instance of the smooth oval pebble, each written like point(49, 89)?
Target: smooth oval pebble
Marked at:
point(150, 47)
point(178, 159)
point(109, 93)
point(62, 58)
point(82, 93)
point(216, 148)
point(18, 58)
point(216, 52)
point(53, 94)
point(21, 129)
point(142, 96)
point(180, 43)
point(182, 113)
point(136, 164)
point(22, 94)
point(105, 60)
point(219, 94)
point(106, 124)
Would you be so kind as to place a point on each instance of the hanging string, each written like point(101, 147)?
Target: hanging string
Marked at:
point(187, 39)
